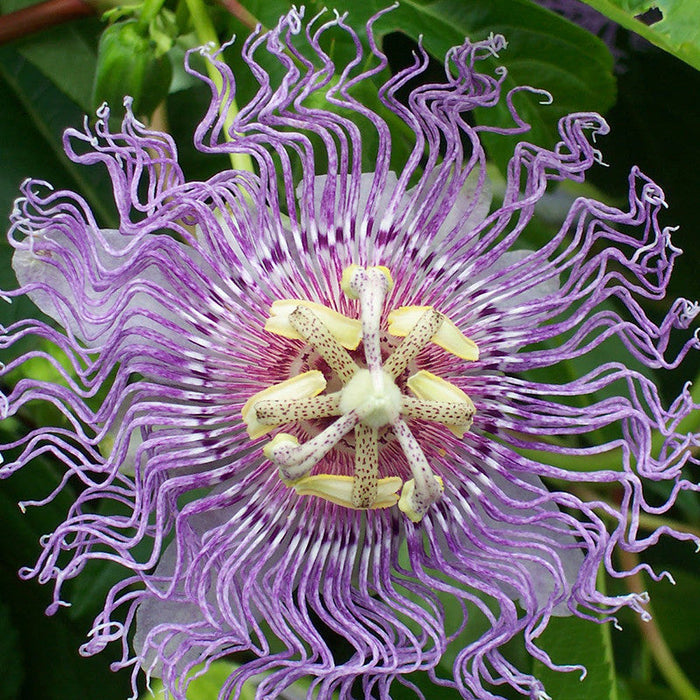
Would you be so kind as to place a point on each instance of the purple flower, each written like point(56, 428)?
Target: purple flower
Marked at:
point(326, 398)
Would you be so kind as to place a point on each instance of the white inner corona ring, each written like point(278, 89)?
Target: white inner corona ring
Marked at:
point(370, 399)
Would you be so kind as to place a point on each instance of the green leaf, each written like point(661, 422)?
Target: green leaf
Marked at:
point(67, 60)
point(29, 483)
point(208, 685)
point(423, 681)
point(10, 657)
point(641, 690)
point(678, 32)
point(88, 591)
point(53, 668)
point(64, 54)
point(572, 640)
point(19, 158)
point(476, 624)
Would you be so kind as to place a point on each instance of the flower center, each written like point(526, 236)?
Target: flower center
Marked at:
point(377, 400)
point(369, 401)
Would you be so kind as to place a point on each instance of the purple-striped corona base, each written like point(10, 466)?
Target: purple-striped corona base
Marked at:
point(339, 397)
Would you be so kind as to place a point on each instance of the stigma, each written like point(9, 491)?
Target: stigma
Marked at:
point(369, 400)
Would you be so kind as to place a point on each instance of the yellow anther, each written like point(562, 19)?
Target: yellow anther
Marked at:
point(302, 386)
point(338, 489)
point(448, 336)
point(346, 280)
point(407, 503)
point(347, 331)
point(429, 387)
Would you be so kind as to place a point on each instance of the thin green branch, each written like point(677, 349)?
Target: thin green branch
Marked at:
point(43, 15)
point(206, 34)
point(601, 585)
point(241, 14)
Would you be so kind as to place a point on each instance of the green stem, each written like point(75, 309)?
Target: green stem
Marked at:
point(241, 14)
point(660, 651)
point(206, 34)
point(601, 585)
point(149, 10)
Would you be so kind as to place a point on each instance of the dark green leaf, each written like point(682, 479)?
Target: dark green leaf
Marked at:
point(571, 640)
point(64, 54)
point(679, 622)
point(88, 591)
point(66, 59)
point(422, 681)
point(53, 668)
point(638, 690)
point(21, 153)
point(10, 657)
point(49, 646)
point(47, 113)
point(30, 483)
